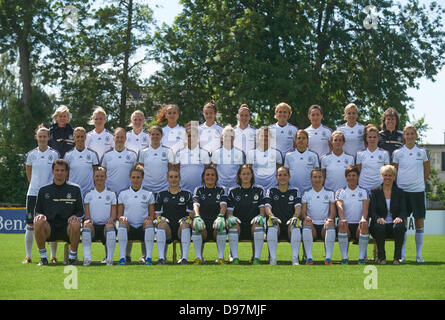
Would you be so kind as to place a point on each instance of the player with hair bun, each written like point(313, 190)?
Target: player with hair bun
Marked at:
point(174, 136)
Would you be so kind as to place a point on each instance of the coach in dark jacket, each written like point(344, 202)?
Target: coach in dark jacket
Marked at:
point(61, 132)
point(387, 211)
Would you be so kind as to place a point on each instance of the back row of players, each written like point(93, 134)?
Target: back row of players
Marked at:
point(266, 149)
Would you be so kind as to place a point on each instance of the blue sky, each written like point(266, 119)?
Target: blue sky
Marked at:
point(429, 99)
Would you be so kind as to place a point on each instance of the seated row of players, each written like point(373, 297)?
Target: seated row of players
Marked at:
point(157, 158)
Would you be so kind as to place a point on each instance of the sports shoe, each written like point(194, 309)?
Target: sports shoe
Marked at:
point(104, 261)
point(419, 260)
point(148, 262)
point(109, 262)
point(256, 261)
point(235, 261)
point(361, 262)
point(27, 260)
point(128, 259)
point(71, 261)
point(142, 259)
point(197, 261)
point(53, 260)
point(295, 261)
point(161, 262)
point(328, 262)
point(183, 262)
point(43, 262)
point(273, 262)
point(345, 261)
point(220, 261)
point(86, 262)
point(122, 262)
point(309, 262)
point(402, 260)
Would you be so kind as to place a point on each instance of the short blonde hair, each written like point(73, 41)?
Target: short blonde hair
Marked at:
point(350, 106)
point(228, 130)
point(96, 111)
point(337, 133)
point(410, 126)
point(137, 112)
point(390, 168)
point(283, 105)
point(81, 129)
point(60, 110)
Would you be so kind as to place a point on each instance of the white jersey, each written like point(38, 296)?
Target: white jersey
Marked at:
point(300, 166)
point(118, 166)
point(174, 138)
point(41, 163)
point(100, 204)
point(245, 139)
point(81, 167)
point(319, 139)
point(410, 174)
point(264, 165)
point(99, 142)
point(335, 169)
point(210, 137)
point(155, 163)
point(137, 142)
point(353, 138)
point(191, 166)
point(352, 203)
point(136, 204)
point(227, 164)
point(282, 138)
point(318, 204)
point(371, 162)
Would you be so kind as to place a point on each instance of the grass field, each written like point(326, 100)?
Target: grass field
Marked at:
point(224, 282)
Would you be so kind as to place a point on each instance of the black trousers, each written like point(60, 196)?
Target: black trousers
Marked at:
point(381, 232)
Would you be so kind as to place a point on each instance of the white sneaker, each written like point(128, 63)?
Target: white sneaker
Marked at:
point(419, 260)
point(273, 262)
point(402, 260)
point(86, 262)
point(109, 262)
point(295, 261)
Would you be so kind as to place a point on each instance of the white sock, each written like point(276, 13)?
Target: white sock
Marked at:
point(272, 241)
point(258, 240)
point(233, 242)
point(295, 241)
point(363, 245)
point(122, 238)
point(161, 239)
point(43, 253)
point(419, 241)
point(197, 243)
point(329, 241)
point(403, 246)
point(149, 239)
point(86, 243)
point(29, 240)
point(185, 242)
point(308, 241)
point(111, 243)
point(72, 255)
point(53, 249)
point(343, 244)
point(221, 243)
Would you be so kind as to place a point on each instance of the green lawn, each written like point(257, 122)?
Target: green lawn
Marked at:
point(224, 282)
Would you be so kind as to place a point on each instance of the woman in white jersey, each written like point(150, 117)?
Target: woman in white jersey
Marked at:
point(318, 213)
point(336, 162)
point(413, 170)
point(282, 132)
point(100, 214)
point(174, 135)
point(137, 138)
point(245, 134)
point(156, 160)
point(99, 139)
point(352, 130)
point(227, 159)
point(82, 162)
point(318, 134)
point(300, 162)
point(210, 131)
point(352, 205)
point(370, 160)
point(39, 173)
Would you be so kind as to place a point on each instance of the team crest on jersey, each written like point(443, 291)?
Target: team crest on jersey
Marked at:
point(203, 197)
point(418, 154)
point(128, 157)
point(291, 198)
point(182, 199)
point(380, 157)
point(107, 198)
point(164, 154)
point(88, 157)
point(50, 158)
point(360, 194)
point(218, 197)
point(276, 197)
point(46, 196)
point(238, 198)
point(289, 133)
point(107, 138)
point(144, 139)
point(68, 196)
point(144, 197)
point(326, 197)
point(360, 131)
point(323, 133)
point(346, 161)
point(255, 197)
point(310, 159)
point(165, 199)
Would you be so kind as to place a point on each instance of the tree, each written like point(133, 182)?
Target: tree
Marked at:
point(301, 52)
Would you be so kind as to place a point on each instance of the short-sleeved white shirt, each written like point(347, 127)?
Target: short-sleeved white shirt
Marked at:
point(300, 166)
point(245, 139)
point(118, 166)
point(210, 137)
point(282, 138)
point(319, 139)
point(318, 204)
point(100, 204)
point(371, 162)
point(410, 174)
point(155, 163)
point(264, 165)
point(136, 204)
point(99, 142)
point(352, 202)
point(227, 164)
point(137, 142)
point(335, 169)
point(81, 167)
point(353, 138)
point(41, 163)
point(191, 166)
point(175, 138)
